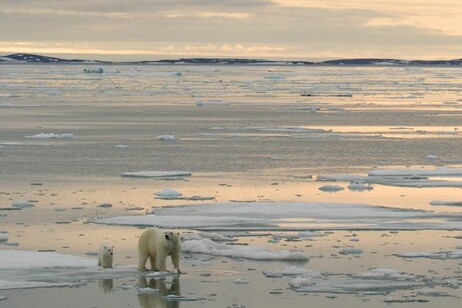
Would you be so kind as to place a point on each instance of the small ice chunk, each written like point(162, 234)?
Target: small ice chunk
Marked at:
point(359, 187)
point(165, 137)
point(22, 204)
point(240, 281)
point(156, 174)
point(147, 290)
point(176, 74)
point(98, 70)
point(3, 237)
point(431, 157)
point(168, 193)
point(300, 282)
point(351, 251)
point(105, 205)
point(121, 146)
point(331, 188)
point(51, 136)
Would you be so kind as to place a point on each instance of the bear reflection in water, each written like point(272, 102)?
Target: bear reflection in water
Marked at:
point(106, 285)
point(157, 300)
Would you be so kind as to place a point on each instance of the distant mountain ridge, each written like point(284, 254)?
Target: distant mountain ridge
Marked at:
point(33, 58)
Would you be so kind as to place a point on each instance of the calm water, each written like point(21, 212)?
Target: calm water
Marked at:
point(245, 134)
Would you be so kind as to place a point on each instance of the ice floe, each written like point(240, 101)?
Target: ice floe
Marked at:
point(401, 178)
point(31, 269)
point(22, 204)
point(444, 255)
point(331, 188)
point(359, 187)
point(98, 70)
point(290, 216)
point(168, 193)
point(374, 282)
point(206, 246)
point(51, 136)
point(166, 137)
point(3, 236)
point(292, 271)
point(447, 203)
point(156, 174)
point(440, 171)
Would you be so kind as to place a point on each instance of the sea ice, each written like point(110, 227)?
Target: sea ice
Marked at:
point(209, 247)
point(98, 70)
point(448, 203)
point(456, 254)
point(166, 137)
point(16, 259)
point(22, 204)
point(359, 187)
point(293, 271)
point(351, 251)
point(156, 174)
point(331, 188)
point(51, 136)
point(168, 193)
point(3, 237)
point(291, 215)
point(440, 171)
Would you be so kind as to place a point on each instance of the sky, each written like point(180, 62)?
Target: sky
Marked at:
point(271, 29)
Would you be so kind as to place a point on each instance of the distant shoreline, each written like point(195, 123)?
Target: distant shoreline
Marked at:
point(21, 58)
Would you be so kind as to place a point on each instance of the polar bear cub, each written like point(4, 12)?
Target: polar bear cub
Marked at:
point(105, 255)
point(157, 244)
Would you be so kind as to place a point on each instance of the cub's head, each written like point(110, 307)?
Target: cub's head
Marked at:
point(108, 250)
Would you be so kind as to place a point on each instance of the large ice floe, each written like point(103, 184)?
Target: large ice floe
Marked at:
point(31, 269)
point(418, 178)
point(290, 216)
point(376, 281)
point(209, 247)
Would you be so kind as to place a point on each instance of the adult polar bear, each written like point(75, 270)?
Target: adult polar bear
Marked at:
point(157, 244)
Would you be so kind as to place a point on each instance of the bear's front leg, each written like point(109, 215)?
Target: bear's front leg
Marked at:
point(161, 262)
point(176, 261)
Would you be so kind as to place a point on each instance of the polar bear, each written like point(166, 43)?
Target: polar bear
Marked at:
point(157, 244)
point(105, 255)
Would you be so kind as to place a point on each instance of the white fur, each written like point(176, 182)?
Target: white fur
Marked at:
point(105, 255)
point(156, 244)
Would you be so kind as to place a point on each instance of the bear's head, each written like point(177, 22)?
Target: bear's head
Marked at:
point(172, 238)
point(108, 250)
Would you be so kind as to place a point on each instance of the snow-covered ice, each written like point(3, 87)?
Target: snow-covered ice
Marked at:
point(32, 269)
point(22, 204)
point(331, 188)
point(456, 254)
point(168, 193)
point(447, 203)
point(440, 171)
point(166, 137)
point(291, 215)
point(51, 136)
point(156, 174)
point(206, 246)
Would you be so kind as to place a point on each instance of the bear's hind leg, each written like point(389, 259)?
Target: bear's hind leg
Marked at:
point(142, 262)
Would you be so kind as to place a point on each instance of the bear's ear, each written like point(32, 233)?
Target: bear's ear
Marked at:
point(166, 237)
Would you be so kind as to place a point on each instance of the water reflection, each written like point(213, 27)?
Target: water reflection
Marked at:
point(106, 285)
point(164, 287)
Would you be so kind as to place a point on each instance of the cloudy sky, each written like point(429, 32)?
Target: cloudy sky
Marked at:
point(297, 29)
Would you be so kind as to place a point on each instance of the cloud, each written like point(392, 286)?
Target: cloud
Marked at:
point(244, 27)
